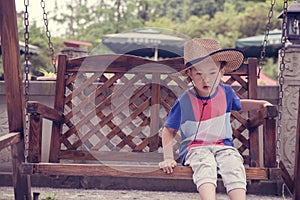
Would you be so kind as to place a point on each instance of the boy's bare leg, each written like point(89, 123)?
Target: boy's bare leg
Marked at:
point(237, 194)
point(207, 191)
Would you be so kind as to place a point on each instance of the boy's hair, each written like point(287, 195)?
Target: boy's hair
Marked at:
point(223, 64)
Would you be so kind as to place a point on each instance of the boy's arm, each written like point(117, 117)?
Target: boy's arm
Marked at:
point(167, 141)
point(251, 104)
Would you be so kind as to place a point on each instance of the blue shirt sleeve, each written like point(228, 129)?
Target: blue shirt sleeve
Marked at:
point(174, 117)
point(233, 101)
point(236, 102)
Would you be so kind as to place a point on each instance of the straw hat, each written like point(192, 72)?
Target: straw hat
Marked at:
point(198, 49)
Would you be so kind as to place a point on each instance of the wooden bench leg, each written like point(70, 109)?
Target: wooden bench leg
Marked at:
point(21, 182)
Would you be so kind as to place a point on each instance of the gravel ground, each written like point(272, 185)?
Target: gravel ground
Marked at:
point(6, 193)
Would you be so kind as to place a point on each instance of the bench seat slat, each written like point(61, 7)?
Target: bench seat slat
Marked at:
point(111, 156)
point(124, 170)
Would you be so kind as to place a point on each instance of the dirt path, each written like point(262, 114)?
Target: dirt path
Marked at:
point(6, 193)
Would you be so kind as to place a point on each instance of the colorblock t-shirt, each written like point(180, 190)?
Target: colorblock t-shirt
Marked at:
point(200, 126)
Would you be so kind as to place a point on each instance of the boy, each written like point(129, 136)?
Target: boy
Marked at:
point(202, 114)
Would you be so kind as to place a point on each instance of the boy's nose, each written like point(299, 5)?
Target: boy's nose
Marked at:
point(206, 79)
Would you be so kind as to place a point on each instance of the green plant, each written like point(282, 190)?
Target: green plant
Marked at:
point(50, 197)
point(46, 73)
point(1, 68)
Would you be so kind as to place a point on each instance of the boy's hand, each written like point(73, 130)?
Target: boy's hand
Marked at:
point(168, 165)
point(267, 104)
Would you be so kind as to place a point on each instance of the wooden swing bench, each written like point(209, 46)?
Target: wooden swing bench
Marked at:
point(109, 111)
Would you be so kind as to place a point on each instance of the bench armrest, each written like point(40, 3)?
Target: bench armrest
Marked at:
point(268, 112)
point(46, 112)
point(266, 117)
point(38, 112)
point(9, 139)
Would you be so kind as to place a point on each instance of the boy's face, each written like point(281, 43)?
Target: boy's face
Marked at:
point(206, 77)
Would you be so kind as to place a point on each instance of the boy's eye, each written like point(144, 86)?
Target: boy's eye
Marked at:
point(213, 73)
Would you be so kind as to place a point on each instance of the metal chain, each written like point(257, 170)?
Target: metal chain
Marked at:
point(48, 34)
point(265, 42)
point(26, 53)
point(281, 81)
point(26, 71)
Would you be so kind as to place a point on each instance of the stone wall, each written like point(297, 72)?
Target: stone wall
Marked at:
point(291, 85)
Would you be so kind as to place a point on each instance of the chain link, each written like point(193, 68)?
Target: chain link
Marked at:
point(265, 42)
point(48, 34)
point(281, 81)
point(26, 71)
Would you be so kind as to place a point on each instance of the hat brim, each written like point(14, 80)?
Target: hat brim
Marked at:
point(233, 59)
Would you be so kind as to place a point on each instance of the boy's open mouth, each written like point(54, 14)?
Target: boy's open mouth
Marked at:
point(206, 87)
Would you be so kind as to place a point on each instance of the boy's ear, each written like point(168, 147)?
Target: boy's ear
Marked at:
point(188, 72)
point(222, 71)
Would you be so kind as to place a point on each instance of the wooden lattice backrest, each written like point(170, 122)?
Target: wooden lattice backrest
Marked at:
point(115, 105)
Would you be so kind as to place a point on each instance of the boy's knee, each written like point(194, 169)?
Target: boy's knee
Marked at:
point(236, 185)
point(201, 182)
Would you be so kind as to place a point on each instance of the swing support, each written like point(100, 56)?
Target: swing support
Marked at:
point(14, 96)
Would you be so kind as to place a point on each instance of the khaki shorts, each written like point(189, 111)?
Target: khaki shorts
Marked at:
point(208, 161)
